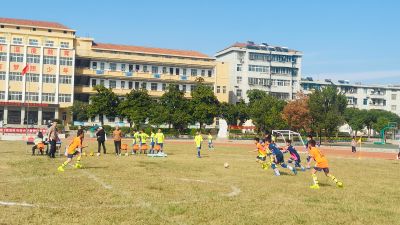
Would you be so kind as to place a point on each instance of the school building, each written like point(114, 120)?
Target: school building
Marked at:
point(65, 68)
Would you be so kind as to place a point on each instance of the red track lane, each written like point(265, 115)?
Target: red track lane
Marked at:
point(328, 151)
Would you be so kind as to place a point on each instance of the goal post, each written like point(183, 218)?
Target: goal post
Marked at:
point(289, 135)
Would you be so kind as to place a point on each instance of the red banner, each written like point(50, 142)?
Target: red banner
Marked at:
point(24, 104)
point(243, 127)
point(22, 130)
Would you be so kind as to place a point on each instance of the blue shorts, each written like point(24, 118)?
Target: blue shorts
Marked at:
point(210, 143)
point(326, 170)
point(198, 148)
point(161, 144)
point(279, 159)
point(134, 142)
point(152, 143)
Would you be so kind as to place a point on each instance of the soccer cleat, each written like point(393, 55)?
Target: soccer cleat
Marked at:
point(304, 169)
point(60, 168)
point(294, 171)
point(78, 166)
point(308, 167)
point(265, 167)
point(269, 163)
point(278, 175)
point(198, 156)
point(340, 184)
point(315, 186)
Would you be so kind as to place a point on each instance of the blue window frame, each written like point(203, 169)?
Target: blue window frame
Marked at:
point(365, 101)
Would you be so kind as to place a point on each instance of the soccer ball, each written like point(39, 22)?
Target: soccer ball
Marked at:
point(91, 154)
point(84, 154)
point(126, 154)
point(98, 154)
point(226, 165)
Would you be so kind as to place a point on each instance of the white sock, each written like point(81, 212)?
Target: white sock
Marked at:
point(277, 171)
point(289, 167)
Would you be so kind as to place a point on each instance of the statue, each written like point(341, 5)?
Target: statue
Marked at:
point(223, 128)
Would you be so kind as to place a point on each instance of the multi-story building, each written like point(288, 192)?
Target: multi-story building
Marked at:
point(65, 68)
point(379, 97)
point(47, 89)
point(273, 69)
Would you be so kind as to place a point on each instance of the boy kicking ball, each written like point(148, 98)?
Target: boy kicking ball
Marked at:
point(262, 154)
point(322, 164)
point(278, 158)
point(74, 148)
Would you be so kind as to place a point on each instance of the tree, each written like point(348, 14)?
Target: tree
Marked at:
point(265, 111)
point(204, 105)
point(242, 111)
point(136, 107)
point(172, 109)
point(355, 118)
point(228, 112)
point(371, 117)
point(381, 123)
point(327, 109)
point(296, 112)
point(78, 110)
point(104, 102)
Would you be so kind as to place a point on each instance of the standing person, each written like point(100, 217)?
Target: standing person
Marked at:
point(52, 139)
point(117, 133)
point(143, 137)
point(160, 140)
point(101, 137)
point(353, 145)
point(36, 141)
point(198, 139)
point(74, 148)
point(322, 164)
point(153, 137)
point(135, 140)
point(210, 144)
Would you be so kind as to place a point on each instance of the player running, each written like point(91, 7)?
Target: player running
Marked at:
point(210, 144)
point(262, 154)
point(278, 158)
point(74, 148)
point(295, 158)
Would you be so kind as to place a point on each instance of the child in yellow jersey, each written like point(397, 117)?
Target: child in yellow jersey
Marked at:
point(210, 144)
point(198, 139)
point(321, 164)
point(153, 139)
point(262, 154)
point(135, 140)
point(74, 148)
point(160, 140)
point(143, 137)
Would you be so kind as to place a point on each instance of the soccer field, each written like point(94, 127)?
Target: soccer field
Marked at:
point(182, 189)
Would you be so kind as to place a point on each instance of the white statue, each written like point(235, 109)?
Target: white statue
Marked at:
point(223, 128)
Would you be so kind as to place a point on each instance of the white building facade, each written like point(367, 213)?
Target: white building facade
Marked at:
point(273, 69)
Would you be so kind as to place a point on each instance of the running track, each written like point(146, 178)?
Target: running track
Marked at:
point(328, 151)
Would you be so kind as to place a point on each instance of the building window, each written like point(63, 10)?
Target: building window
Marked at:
point(33, 59)
point(177, 71)
point(64, 98)
point(164, 86)
point(365, 102)
point(209, 73)
point(192, 87)
point(349, 100)
point(113, 52)
point(145, 69)
point(203, 73)
point(98, 51)
point(127, 53)
point(50, 79)
point(122, 84)
point(355, 101)
point(122, 67)
point(194, 59)
point(111, 119)
point(31, 96)
point(16, 57)
point(49, 43)
point(64, 44)
point(393, 108)
point(384, 102)
point(154, 69)
point(171, 71)
point(239, 80)
point(164, 70)
point(144, 85)
point(48, 97)
point(33, 42)
point(102, 82)
point(155, 56)
point(17, 41)
point(113, 66)
point(2, 40)
point(181, 58)
point(3, 56)
point(365, 90)
point(31, 77)
point(184, 87)
point(2, 75)
point(256, 68)
point(193, 72)
point(15, 76)
point(102, 66)
point(2, 95)
point(65, 79)
point(113, 84)
point(168, 57)
point(49, 60)
point(184, 72)
point(13, 95)
point(64, 116)
point(394, 96)
point(141, 54)
point(154, 86)
point(218, 89)
point(224, 90)
point(239, 92)
point(239, 67)
point(65, 61)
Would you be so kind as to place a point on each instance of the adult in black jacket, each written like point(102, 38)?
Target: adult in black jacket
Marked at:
point(101, 137)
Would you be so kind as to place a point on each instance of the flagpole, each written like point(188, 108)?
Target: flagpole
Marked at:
point(29, 89)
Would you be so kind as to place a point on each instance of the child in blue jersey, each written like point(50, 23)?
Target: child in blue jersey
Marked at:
point(153, 137)
point(278, 158)
point(210, 144)
point(295, 158)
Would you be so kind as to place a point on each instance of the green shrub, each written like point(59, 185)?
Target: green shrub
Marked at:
point(56, 120)
point(125, 130)
point(235, 131)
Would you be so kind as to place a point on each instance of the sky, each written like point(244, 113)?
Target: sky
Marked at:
point(353, 40)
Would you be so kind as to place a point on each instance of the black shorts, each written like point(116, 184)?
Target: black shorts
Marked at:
point(353, 148)
point(261, 158)
point(326, 170)
point(279, 159)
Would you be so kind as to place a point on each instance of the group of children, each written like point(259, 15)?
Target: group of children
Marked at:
point(267, 148)
point(139, 138)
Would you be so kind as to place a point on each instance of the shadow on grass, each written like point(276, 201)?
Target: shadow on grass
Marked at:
point(95, 167)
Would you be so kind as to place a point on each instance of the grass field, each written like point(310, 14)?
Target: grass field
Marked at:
point(182, 189)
